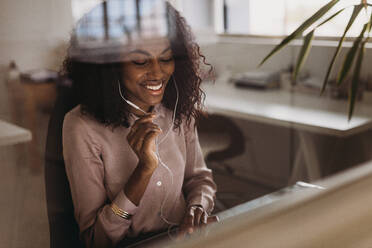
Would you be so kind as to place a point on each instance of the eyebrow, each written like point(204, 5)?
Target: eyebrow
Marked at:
point(166, 50)
point(148, 54)
point(140, 51)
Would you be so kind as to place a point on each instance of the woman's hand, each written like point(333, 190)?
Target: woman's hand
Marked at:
point(141, 138)
point(195, 217)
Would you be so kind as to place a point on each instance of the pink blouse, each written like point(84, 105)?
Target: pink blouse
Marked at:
point(99, 162)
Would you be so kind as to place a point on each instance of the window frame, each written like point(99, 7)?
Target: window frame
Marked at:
point(219, 27)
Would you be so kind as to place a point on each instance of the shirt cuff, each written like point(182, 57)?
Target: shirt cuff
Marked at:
point(123, 202)
point(202, 201)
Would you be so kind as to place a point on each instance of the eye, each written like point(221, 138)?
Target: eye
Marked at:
point(166, 59)
point(140, 62)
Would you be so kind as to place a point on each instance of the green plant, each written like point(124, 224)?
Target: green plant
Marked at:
point(355, 52)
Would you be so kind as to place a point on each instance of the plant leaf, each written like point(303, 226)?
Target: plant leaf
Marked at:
point(301, 29)
point(354, 15)
point(331, 17)
point(349, 59)
point(307, 45)
point(370, 24)
point(303, 53)
point(355, 81)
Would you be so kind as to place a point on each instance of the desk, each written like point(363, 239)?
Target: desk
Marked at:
point(268, 199)
point(306, 113)
point(338, 216)
point(163, 240)
point(11, 134)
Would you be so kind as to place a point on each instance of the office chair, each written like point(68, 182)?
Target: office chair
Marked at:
point(221, 139)
point(64, 230)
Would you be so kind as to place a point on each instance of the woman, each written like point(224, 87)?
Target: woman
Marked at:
point(131, 149)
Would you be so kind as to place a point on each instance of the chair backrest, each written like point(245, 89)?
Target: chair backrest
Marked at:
point(64, 231)
point(217, 127)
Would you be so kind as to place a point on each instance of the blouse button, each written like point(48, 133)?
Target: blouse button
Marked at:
point(158, 183)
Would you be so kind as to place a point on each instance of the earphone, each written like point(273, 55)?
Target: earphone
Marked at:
point(129, 102)
point(157, 148)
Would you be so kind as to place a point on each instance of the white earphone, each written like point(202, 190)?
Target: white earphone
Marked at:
point(129, 102)
point(157, 147)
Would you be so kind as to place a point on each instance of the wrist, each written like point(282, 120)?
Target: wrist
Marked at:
point(146, 167)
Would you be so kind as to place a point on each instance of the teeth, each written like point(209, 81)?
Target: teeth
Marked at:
point(157, 87)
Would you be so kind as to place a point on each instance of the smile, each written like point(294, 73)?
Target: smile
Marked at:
point(154, 87)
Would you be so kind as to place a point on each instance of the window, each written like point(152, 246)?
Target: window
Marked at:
point(106, 20)
point(80, 7)
point(281, 17)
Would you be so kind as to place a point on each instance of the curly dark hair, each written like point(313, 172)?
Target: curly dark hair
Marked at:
point(96, 87)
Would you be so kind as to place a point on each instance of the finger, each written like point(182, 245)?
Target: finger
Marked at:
point(150, 139)
point(188, 221)
point(197, 216)
point(144, 138)
point(142, 127)
point(182, 232)
point(212, 219)
point(141, 132)
point(145, 118)
point(138, 122)
point(204, 219)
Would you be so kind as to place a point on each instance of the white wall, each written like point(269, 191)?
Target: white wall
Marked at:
point(244, 54)
point(241, 56)
point(34, 32)
point(198, 13)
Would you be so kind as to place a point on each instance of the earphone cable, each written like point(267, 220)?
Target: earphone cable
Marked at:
point(170, 223)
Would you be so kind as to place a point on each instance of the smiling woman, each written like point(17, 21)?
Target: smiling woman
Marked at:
point(146, 74)
point(106, 59)
point(130, 146)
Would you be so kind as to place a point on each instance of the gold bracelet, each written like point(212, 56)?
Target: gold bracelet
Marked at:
point(120, 212)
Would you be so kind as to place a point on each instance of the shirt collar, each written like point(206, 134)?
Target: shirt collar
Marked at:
point(159, 110)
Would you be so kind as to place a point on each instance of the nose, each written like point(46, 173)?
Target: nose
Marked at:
point(156, 71)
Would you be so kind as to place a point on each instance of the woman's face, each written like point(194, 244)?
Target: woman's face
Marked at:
point(147, 70)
